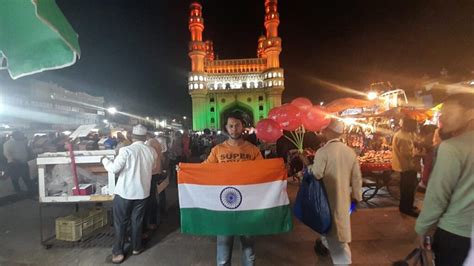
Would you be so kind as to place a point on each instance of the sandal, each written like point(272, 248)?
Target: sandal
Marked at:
point(137, 252)
point(117, 259)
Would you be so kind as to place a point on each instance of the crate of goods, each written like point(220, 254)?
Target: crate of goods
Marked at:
point(87, 225)
point(69, 228)
point(74, 227)
point(99, 217)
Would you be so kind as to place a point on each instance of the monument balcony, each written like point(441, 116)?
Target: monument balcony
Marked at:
point(235, 66)
point(197, 46)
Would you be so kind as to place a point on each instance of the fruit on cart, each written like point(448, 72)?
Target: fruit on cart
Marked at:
point(372, 156)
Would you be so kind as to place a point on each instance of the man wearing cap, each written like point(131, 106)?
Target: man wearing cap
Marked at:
point(134, 165)
point(336, 164)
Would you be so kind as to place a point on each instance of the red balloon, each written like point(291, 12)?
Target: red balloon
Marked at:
point(274, 113)
point(315, 119)
point(268, 130)
point(288, 116)
point(304, 104)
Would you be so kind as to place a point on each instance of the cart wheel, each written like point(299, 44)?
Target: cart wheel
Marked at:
point(48, 246)
point(366, 196)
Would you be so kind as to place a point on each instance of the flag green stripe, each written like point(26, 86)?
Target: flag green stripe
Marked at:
point(255, 222)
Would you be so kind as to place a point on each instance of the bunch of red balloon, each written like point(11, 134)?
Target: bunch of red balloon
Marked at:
point(297, 117)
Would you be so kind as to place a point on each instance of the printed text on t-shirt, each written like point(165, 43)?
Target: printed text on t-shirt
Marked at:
point(235, 157)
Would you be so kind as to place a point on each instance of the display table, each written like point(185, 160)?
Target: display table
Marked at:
point(370, 167)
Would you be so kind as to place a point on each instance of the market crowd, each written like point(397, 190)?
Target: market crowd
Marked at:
point(436, 161)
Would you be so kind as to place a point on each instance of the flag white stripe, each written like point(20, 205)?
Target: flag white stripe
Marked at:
point(254, 197)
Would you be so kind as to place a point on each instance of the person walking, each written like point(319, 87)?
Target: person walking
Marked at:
point(235, 149)
point(425, 147)
point(449, 200)
point(404, 162)
point(186, 140)
point(122, 141)
point(134, 165)
point(15, 151)
point(337, 166)
point(150, 222)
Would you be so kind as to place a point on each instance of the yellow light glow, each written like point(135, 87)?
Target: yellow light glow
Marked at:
point(372, 95)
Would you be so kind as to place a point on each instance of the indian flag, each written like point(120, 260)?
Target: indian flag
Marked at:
point(241, 198)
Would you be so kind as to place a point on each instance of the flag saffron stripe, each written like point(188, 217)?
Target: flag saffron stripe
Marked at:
point(256, 222)
point(226, 174)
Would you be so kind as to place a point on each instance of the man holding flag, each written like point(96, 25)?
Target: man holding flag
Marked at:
point(234, 149)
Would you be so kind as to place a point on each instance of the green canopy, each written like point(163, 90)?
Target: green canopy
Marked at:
point(34, 37)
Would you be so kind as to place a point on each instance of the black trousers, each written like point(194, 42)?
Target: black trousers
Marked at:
point(151, 210)
point(15, 170)
point(128, 212)
point(408, 184)
point(450, 249)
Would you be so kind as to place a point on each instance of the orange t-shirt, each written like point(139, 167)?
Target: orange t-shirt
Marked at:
point(225, 153)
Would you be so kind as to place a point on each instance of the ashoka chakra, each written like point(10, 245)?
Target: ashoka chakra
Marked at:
point(231, 197)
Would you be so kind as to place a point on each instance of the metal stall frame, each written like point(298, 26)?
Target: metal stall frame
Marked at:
point(81, 157)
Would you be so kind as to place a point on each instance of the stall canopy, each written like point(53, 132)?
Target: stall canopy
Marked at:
point(342, 104)
point(34, 37)
point(418, 114)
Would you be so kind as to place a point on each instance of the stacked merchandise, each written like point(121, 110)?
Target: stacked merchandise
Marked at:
point(75, 227)
point(376, 161)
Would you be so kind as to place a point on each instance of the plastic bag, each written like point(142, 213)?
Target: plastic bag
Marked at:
point(312, 205)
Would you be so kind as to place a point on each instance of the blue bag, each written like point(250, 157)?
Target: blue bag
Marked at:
point(312, 205)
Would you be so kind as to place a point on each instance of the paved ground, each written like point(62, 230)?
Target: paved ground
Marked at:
point(380, 236)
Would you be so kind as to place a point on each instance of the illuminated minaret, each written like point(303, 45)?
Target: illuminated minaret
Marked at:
point(209, 50)
point(272, 43)
point(260, 48)
point(198, 50)
point(271, 51)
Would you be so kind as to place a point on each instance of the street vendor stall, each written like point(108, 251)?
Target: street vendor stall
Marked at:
point(376, 168)
point(372, 145)
point(74, 177)
point(375, 160)
point(78, 177)
point(370, 125)
point(369, 136)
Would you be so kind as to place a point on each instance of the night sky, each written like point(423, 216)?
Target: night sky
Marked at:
point(134, 52)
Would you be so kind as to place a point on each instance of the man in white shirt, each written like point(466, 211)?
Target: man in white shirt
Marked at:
point(336, 164)
point(134, 165)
